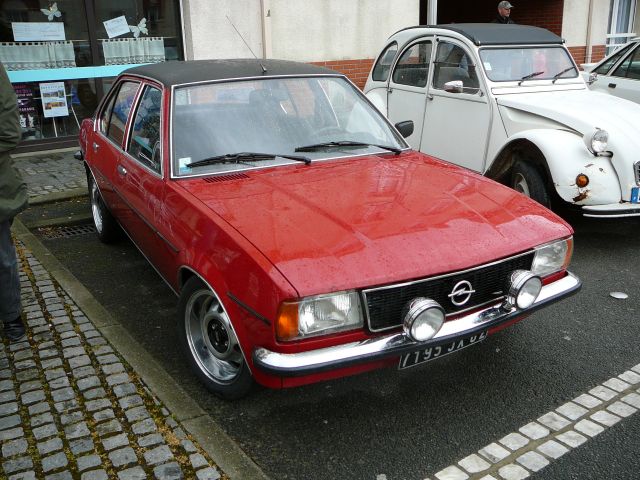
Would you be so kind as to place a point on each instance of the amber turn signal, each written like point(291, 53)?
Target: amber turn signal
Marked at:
point(582, 180)
point(287, 321)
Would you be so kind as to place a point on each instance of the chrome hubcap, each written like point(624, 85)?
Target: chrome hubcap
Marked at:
point(95, 206)
point(520, 185)
point(212, 342)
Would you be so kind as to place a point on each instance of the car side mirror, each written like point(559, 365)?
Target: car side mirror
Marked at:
point(592, 78)
point(454, 86)
point(405, 128)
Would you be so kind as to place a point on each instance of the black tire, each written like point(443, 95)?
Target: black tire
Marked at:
point(106, 226)
point(210, 343)
point(527, 179)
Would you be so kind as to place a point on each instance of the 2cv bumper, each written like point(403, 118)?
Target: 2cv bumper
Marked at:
point(396, 344)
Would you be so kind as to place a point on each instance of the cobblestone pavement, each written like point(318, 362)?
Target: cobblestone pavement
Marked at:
point(71, 408)
point(51, 172)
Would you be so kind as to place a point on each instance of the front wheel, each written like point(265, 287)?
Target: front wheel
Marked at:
point(106, 226)
point(526, 179)
point(210, 343)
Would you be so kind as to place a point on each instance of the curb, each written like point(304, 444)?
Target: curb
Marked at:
point(218, 445)
point(58, 196)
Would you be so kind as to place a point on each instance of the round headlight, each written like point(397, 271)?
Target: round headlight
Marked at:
point(423, 319)
point(524, 288)
point(597, 141)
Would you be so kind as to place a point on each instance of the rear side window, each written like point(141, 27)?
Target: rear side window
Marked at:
point(144, 144)
point(106, 114)
point(630, 68)
point(606, 66)
point(383, 66)
point(413, 67)
point(120, 112)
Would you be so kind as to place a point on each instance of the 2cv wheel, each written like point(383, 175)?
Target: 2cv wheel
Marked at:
point(210, 342)
point(526, 179)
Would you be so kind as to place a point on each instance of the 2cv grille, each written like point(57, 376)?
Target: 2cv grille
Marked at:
point(385, 304)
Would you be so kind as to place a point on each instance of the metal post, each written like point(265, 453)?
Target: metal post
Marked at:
point(432, 12)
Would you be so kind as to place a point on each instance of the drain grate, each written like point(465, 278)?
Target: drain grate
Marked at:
point(66, 231)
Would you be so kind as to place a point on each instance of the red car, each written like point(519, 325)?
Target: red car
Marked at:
point(304, 238)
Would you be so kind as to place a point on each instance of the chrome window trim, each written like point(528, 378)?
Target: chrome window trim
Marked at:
point(364, 292)
point(159, 174)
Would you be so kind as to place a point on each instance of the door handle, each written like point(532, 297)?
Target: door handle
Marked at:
point(612, 85)
point(121, 170)
point(429, 96)
point(95, 147)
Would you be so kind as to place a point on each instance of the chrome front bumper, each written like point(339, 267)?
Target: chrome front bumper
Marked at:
point(396, 344)
point(615, 210)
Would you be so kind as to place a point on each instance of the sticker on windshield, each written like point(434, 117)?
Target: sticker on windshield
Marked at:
point(182, 164)
point(487, 66)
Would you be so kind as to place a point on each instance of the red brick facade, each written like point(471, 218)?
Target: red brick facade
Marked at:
point(579, 54)
point(540, 13)
point(356, 70)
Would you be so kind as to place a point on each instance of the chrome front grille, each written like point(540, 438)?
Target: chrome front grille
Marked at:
point(384, 305)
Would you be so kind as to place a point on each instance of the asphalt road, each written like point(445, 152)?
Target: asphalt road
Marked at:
point(408, 425)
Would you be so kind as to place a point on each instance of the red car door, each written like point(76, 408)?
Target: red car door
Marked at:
point(105, 148)
point(140, 178)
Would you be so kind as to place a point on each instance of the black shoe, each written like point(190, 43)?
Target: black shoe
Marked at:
point(14, 330)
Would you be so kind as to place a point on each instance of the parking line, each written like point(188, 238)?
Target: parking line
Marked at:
point(535, 445)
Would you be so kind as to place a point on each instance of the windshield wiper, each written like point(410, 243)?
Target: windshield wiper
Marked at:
point(242, 157)
point(345, 143)
point(531, 75)
point(557, 75)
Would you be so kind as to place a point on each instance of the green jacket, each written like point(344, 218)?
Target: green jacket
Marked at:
point(13, 190)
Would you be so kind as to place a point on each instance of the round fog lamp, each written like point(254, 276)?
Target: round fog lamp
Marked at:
point(423, 319)
point(524, 288)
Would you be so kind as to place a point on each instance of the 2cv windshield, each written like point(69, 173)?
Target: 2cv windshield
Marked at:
point(527, 63)
point(218, 127)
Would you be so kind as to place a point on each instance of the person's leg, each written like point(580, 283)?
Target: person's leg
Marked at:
point(10, 307)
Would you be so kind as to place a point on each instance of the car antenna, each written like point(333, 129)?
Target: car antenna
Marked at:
point(264, 69)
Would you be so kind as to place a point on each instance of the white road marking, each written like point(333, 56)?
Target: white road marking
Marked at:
point(534, 446)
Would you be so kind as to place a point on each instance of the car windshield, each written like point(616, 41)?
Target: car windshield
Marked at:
point(237, 125)
point(523, 64)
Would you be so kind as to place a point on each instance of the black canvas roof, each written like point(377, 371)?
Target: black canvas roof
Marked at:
point(179, 72)
point(498, 34)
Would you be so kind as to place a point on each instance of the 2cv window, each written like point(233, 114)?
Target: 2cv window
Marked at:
point(381, 70)
point(413, 67)
point(453, 63)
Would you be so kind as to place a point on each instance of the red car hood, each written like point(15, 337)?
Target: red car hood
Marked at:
point(368, 221)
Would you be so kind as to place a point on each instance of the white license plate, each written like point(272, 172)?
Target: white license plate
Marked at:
point(431, 353)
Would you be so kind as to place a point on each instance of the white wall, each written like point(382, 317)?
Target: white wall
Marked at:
point(575, 20)
point(306, 31)
point(209, 34)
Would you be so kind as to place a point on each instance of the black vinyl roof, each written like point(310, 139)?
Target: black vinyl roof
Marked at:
point(499, 34)
point(180, 72)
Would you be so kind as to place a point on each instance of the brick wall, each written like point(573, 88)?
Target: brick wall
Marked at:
point(540, 13)
point(356, 70)
point(579, 54)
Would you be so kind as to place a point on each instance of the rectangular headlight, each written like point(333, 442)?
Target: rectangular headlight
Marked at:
point(553, 257)
point(319, 315)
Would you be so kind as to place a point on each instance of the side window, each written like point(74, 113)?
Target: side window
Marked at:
point(381, 70)
point(106, 113)
point(630, 68)
point(606, 66)
point(453, 63)
point(144, 144)
point(121, 109)
point(413, 67)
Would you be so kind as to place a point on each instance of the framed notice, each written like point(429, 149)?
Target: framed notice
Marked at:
point(116, 26)
point(54, 99)
point(37, 31)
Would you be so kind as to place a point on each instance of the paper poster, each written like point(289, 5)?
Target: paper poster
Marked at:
point(116, 26)
point(54, 99)
point(37, 31)
point(26, 105)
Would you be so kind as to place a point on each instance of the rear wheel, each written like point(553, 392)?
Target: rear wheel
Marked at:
point(210, 342)
point(527, 179)
point(106, 226)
